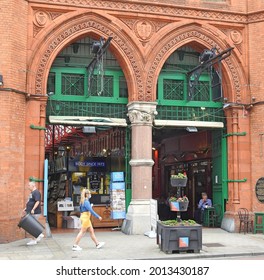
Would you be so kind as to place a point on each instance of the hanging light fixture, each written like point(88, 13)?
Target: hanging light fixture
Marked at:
point(75, 47)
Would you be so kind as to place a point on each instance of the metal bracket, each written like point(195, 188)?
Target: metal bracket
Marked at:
point(235, 134)
point(207, 60)
point(99, 49)
point(32, 126)
point(33, 179)
point(236, 181)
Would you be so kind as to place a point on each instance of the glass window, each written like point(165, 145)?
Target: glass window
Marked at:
point(173, 89)
point(51, 82)
point(202, 91)
point(102, 86)
point(123, 90)
point(72, 84)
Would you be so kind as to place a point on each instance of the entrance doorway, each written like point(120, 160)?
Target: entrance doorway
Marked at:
point(84, 157)
point(87, 136)
point(197, 155)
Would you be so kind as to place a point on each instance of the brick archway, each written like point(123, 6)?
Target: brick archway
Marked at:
point(200, 37)
point(195, 35)
point(76, 26)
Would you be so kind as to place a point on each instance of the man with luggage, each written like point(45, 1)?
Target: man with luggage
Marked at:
point(33, 207)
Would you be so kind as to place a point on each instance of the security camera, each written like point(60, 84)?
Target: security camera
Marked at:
point(50, 93)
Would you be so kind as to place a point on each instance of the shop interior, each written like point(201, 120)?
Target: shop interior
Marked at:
point(179, 150)
point(83, 157)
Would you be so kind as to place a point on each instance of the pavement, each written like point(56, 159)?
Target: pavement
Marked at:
point(217, 243)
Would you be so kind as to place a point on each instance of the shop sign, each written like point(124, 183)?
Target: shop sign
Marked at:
point(260, 189)
point(95, 180)
point(89, 163)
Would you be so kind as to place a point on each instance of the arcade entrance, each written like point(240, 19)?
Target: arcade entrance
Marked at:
point(188, 133)
point(87, 136)
point(201, 155)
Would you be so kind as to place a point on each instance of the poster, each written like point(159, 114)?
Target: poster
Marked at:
point(118, 200)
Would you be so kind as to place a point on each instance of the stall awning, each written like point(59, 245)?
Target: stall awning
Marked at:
point(87, 121)
point(176, 123)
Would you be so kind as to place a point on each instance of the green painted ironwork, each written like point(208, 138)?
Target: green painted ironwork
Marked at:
point(219, 169)
point(32, 126)
point(108, 90)
point(235, 134)
point(174, 105)
point(71, 84)
point(173, 89)
point(237, 181)
point(128, 167)
point(71, 108)
point(202, 92)
point(33, 179)
point(190, 113)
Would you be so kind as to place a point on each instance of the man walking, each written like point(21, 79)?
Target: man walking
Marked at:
point(33, 207)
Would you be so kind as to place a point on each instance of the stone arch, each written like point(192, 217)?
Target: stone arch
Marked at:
point(63, 32)
point(200, 37)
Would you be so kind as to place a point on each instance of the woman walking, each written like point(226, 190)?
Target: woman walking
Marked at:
point(86, 211)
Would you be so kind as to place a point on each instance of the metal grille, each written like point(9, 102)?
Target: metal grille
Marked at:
point(173, 89)
point(72, 84)
point(68, 108)
point(202, 91)
point(104, 87)
point(190, 113)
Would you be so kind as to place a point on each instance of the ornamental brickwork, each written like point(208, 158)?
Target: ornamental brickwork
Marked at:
point(145, 34)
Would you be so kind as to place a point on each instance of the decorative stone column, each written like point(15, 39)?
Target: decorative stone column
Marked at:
point(141, 115)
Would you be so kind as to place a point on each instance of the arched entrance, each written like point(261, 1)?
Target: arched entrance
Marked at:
point(87, 136)
point(188, 134)
point(61, 81)
point(141, 69)
point(225, 187)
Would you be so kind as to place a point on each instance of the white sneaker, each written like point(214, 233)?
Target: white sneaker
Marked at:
point(40, 237)
point(76, 248)
point(100, 245)
point(32, 242)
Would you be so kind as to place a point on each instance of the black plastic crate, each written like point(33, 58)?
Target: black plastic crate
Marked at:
point(172, 239)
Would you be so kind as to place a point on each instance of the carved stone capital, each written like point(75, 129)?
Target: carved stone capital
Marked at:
point(142, 113)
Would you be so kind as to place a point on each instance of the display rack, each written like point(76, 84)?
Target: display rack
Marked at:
point(56, 192)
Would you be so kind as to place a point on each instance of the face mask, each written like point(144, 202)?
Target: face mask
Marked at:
point(89, 196)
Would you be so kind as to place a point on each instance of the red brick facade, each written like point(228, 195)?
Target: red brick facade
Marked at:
point(34, 32)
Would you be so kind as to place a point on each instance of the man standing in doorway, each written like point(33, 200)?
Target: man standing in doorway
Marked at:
point(33, 207)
